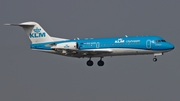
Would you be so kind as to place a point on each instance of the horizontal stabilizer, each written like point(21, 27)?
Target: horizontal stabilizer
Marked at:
point(21, 24)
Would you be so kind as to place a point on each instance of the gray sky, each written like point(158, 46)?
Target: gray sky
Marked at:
point(27, 75)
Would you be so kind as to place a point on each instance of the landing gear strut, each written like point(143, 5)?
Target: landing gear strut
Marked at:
point(90, 62)
point(100, 62)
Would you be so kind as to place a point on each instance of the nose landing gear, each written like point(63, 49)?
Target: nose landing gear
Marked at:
point(157, 54)
point(154, 59)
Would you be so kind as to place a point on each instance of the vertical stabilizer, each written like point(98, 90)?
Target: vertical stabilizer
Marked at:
point(35, 32)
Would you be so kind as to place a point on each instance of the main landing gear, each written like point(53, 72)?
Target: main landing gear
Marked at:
point(89, 62)
point(99, 63)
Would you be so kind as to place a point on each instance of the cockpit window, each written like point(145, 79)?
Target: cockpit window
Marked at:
point(160, 41)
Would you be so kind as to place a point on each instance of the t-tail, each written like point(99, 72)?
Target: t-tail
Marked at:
point(36, 33)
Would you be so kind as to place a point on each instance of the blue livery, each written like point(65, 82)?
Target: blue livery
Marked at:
point(94, 47)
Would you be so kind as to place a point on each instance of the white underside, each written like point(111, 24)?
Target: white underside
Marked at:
point(114, 52)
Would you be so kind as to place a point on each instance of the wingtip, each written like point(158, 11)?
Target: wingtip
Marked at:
point(7, 24)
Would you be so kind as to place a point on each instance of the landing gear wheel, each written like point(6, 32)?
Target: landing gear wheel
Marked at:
point(89, 63)
point(100, 63)
point(154, 59)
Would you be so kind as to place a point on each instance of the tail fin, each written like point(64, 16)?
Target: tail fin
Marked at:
point(35, 32)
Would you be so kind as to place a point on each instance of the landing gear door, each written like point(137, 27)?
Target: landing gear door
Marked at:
point(148, 44)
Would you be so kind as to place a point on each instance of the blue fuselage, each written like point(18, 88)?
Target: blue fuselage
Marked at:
point(154, 43)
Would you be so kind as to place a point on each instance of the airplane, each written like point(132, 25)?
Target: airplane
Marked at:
point(94, 47)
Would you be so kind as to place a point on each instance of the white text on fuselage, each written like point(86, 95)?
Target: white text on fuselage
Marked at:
point(132, 41)
point(96, 44)
point(120, 40)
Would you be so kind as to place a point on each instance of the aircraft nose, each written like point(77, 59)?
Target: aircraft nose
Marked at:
point(170, 46)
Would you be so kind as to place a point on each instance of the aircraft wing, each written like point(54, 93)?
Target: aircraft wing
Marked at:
point(84, 52)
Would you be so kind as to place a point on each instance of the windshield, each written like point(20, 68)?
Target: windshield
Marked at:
point(160, 41)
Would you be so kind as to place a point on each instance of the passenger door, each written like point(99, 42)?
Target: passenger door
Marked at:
point(148, 44)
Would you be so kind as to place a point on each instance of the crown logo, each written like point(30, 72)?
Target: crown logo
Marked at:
point(37, 30)
point(66, 46)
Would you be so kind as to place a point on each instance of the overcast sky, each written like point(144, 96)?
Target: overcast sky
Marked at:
point(27, 75)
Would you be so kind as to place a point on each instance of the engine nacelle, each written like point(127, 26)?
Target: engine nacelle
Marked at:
point(67, 45)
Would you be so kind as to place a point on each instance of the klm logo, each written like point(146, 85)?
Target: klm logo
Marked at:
point(120, 40)
point(37, 33)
